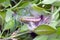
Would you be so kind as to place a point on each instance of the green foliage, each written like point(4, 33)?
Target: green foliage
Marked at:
point(24, 28)
point(12, 12)
point(58, 30)
point(41, 38)
point(56, 3)
point(9, 25)
point(44, 29)
point(24, 4)
point(6, 3)
point(48, 1)
point(35, 7)
point(2, 1)
point(3, 14)
point(8, 15)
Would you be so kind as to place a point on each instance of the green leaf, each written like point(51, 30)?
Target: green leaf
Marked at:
point(2, 1)
point(6, 3)
point(22, 12)
point(2, 17)
point(39, 9)
point(57, 3)
point(55, 39)
point(44, 29)
point(24, 28)
point(3, 14)
point(58, 30)
point(8, 15)
point(9, 24)
point(24, 4)
point(41, 38)
point(48, 1)
point(35, 7)
point(35, 1)
point(1, 20)
point(55, 15)
point(53, 24)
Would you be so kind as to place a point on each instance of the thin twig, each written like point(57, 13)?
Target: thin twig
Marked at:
point(16, 35)
point(16, 4)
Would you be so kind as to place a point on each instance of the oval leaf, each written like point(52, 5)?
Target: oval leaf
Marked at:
point(44, 29)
